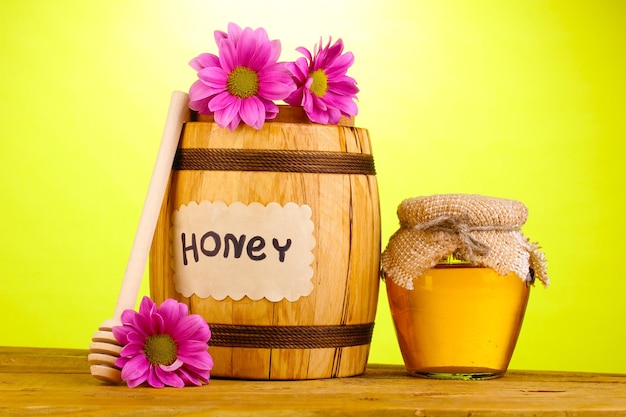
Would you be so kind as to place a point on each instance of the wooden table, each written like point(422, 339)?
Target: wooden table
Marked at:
point(50, 382)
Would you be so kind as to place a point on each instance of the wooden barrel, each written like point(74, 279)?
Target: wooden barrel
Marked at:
point(243, 204)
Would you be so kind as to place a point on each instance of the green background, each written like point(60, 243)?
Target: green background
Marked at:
point(519, 99)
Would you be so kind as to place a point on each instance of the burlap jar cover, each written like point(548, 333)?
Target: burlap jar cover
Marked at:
point(485, 231)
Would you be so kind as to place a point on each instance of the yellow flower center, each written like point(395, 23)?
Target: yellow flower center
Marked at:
point(242, 82)
point(160, 349)
point(320, 82)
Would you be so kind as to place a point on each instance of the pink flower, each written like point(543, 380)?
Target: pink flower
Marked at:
point(241, 83)
point(163, 345)
point(323, 88)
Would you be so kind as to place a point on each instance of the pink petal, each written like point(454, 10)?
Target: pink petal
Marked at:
point(318, 102)
point(228, 56)
point(218, 35)
point(215, 77)
point(260, 35)
point(252, 112)
point(275, 90)
point(228, 117)
point(318, 116)
point(307, 101)
point(132, 383)
point(271, 110)
point(153, 378)
point(192, 346)
point(302, 69)
point(200, 90)
point(157, 323)
point(276, 69)
point(146, 305)
point(334, 115)
point(203, 61)
point(308, 83)
point(246, 48)
point(234, 123)
point(128, 316)
point(169, 311)
point(136, 368)
point(201, 106)
point(204, 370)
point(172, 367)
point(333, 52)
point(222, 101)
point(295, 72)
point(169, 378)
point(183, 310)
point(343, 87)
point(343, 62)
point(121, 361)
point(192, 379)
point(132, 350)
point(315, 109)
point(275, 50)
point(191, 327)
point(260, 57)
point(343, 103)
point(121, 333)
point(140, 324)
point(295, 98)
point(135, 337)
point(234, 32)
point(200, 361)
point(305, 52)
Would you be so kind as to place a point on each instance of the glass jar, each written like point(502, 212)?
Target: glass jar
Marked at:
point(459, 321)
point(459, 317)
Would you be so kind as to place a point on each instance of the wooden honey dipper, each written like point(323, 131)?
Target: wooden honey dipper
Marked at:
point(105, 349)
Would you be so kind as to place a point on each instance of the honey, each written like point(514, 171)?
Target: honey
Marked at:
point(459, 321)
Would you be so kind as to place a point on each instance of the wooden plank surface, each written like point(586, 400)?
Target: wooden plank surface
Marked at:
point(51, 382)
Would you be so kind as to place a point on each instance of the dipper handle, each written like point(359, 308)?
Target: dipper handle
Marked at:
point(177, 114)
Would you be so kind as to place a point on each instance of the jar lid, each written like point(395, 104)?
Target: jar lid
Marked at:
point(486, 231)
point(472, 210)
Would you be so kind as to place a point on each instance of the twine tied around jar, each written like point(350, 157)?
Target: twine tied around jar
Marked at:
point(486, 231)
point(469, 244)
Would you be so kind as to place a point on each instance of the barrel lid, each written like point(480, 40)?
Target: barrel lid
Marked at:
point(286, 114)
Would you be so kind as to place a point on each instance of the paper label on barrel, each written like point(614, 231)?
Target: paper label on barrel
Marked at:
point(239, 250)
